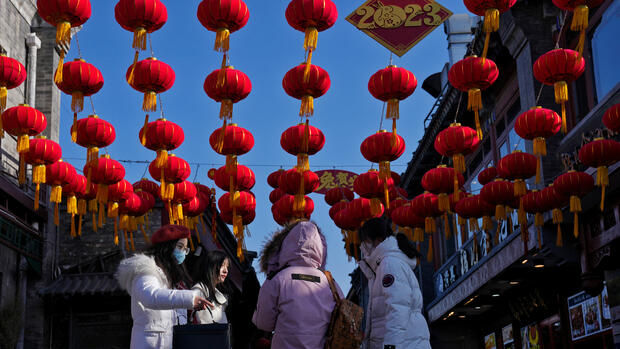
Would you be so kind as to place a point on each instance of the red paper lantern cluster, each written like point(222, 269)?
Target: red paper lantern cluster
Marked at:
point(41, 152)
point(487, 175)
point(382, 148)
point(57, 175)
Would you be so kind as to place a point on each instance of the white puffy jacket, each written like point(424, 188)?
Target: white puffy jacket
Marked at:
point(155, 308)
point(394, 319)
point(210, 315)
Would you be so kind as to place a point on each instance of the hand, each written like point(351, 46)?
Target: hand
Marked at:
point(201, 303)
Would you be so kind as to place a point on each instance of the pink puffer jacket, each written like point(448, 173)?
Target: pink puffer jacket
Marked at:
point(297, 302)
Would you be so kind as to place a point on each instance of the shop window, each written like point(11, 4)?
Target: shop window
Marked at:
point(605, 51)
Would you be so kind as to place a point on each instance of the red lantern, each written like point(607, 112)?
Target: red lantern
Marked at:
point(316, 85)
point(457, 141)
point(161, 136)
point(176, 170)
point(231, 141)
point(519, 166)
point(383, 147)
point(335, 195)
point(551, 200)
point(93, 133)
point(611, 119)
point(498, 193)
point(140, 17)
point(285, 206)
point(103, 172)
point(346, 220)
point(559, 67)
point(195, 207)
point(405, 217)
point(184, 192)
point(227, 86)
point(427, 205)
point(74, 191)
point(600, 154)
point(371, 186)
point(532, 204)
point(487, 175)
point(472, 75)
point(490, 9)
point(341, 205)
point(12, 74)
point(291, 182)
point(275, 195)
point(538, 124)
point(391, 85)
point(80, 79)
point(129, 207)
point(116, 193)
point(273, 178)
point(581, 12)
point(302, 140)
point(363, 209)
point(242, 179)
point(63, 14)
point(151, 77)
point(575, 185)
point(240, 204)
point(147, 186)
point(245, 219)
point(442, 180)
point(56, 175)
point(41, 152)
point(223, 17)
point(398, 193)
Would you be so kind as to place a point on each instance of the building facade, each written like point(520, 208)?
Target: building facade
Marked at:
point(497, 293)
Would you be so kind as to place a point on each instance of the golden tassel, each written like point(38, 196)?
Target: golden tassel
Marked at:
point(58, 74)
point(3, 95)
point(474, 102)
point(561, 97)
point(102, 193)
point(116, 238)
point(520, 188)
point(487, 223)
point(133, 247)
point(456, 196)
point(311, 38)
point(179, 211)
point(429, 225)
point(77, 102)
point(302, 162)
point(101, 211)
point(602, 180)
point(222, 77)
point(146, 237)
point(500, 212)
point(63, 32)
point(443, 202)
point(458, 161)
point(429, 256)
point(386, 194)
point(22, 169)
point(127, 247)
point(305, 138)
point(418, 234)
point(575, 204)
point(162, 158)
point(145, 129)
point(576, 225)
point(150, 101)
point(36, 197)
point(56, 215)
point(132, 76)
point(231, 163)
point(219, 145)
point(92, 207)
point(74, 129)
point(446, 225)
point(139, 39)
point(473, 224)
point(307, 106)
point(79, 231)
point(485, 49)
point(222, 40)
point(72, 232)
point(558, 240)
point(92, 154)
point(56, 194)
point(307, 66)
point(72, 205)
point(540, 146)
point(375, 207)
point(491, 20)
point(580, 23)
point(392, 109)
point(538, 220)
point(226, 109)
point(112, 209)
point(240, 250)
point(169, 192)
point(394, 139)
point(23, 143)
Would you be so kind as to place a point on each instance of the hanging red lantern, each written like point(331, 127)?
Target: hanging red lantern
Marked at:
point(311, 17)
point(176, 170)
point(147, 186)
point(245, 219)
point(487, 175)
point(285, 207)
point(298, 183)
point(41, 152)
point(519, 167)
point(335, 195)
point(129, 207)
point(581, 12)
point(559, 67)
point(161, 136)
point(231, 141)
point(468, 212)
point(498, 193)
point(538, 124)
point(490, 10)
point(363, 210)
point(93, 133)
point(600, 154)
point(611, 119)
point(273, 178)
point(195, 207)
point(302, 140)
point(116, 193)
point(22, 122)
point(12, 74)
point(277, 216)
point(441, 181)
point(532, 204)
point(242, 179)
point(80, 79)
point(63, 14)
point(275, 195)
point(140, 17)
point(574, 185)
point(56, 175)
point(239, 205)
point(227, 86)
point(204, 191)
point(457, 141)
point(392, 84)
point(396, 203)
point(103, 172)
point(472, 75)
point(349, 223)
point(184, 192)
point(148, 200)
point(551, 200)
point(341, 205)
point(383, 147)
point(370, 185)
point(397, 193)
point(74, 191)
point(316, 85)
point(223, 17)
point(427, 205)
point(405, 217)
point(151, 77)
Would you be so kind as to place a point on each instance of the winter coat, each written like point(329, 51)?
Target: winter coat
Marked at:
point(297, 302)
point(155, 308)
point(215, 314)
point(395, 301)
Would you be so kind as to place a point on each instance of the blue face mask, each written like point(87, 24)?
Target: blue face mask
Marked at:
point(179, 255)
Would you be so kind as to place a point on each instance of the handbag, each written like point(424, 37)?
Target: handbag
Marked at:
point(216, 336)
point(344, 330)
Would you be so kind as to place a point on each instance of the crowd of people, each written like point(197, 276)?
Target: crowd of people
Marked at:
point(295, 303)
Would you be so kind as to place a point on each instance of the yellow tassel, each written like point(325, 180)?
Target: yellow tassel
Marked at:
point(429, 256)
point(74, 129)
point(126, 240)
point(305, 138)
point(22, 169)
point(509, 224)
point(558, 239)
point(36, 197)
point(308, 65)
point(222, 40)
point(444, 202)
point(113, 209)
point(386, 194)
point(139, 39)
point(311, 38)
point(446, 225)
point(63, 32)
point(79, 231)
point(222, 77)
point(179, 211)
point(418, 234)
point(487, 223)
point(520, 188)
point(580, 18)
point(500, 212)
point(576, 224)
point(72, 205)
point(491, 20)
point(77, 102)
point(133, 247)
point(561, 97)
point(602, 180)
point(538, 220)
point(240, 250)
point(146, 237)
point(429, 225)
point(56, 194)
point(23, 144)
point(132, 76)
point(456, 196)
point(219, 145)
point(162, 158)
point(375, 207)
point(169, 192)
point(307, 106)
point(231, 163)
point(72, 232)
point(145, 129)
point(150, 101)
point(101, 211)
point(102, 193)
point(3, 95)
point(575, 204)
point(92, 153)
point(474, 102)
point(580, 43)
point(392, 109)
point(302, 162)
point(226, 109)
point(38, 174)
point(56, 215)
point(299, 205)
point(485, 49)
point(458, 161)
point(540, 146)
point(58, 74)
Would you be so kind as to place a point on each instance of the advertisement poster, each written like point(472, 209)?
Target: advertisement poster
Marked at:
point(588, 315)
point(508, 337)
point(530, 337)
point(489, 341)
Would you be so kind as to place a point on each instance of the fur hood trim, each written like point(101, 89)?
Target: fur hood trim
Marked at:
point(137, 265)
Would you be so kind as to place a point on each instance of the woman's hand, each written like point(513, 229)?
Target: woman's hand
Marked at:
point(201, 303)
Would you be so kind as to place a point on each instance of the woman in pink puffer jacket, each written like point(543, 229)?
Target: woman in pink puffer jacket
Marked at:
point(295, 301)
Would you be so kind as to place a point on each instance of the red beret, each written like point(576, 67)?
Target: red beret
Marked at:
point(170, 232)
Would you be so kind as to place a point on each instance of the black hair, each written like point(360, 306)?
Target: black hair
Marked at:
point(380, 229)
point(207, 270)
point(162, 253)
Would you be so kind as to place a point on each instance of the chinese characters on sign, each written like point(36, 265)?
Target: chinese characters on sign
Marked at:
point(398, 24)
point(329, 179)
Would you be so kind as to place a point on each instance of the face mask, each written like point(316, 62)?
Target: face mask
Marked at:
point(366, 248)
point(179, 255)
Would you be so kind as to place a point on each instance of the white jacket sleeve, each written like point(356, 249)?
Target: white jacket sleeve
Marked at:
point(398, 297)
point(148, 291)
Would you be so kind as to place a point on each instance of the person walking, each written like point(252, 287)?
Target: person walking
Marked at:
point(295, 301)
point(151, 279)
point(210, 272)
point(394, 317)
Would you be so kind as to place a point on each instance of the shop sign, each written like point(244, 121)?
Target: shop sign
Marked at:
point(329, 179)
point(588, 315)
point(530, 337)
point(398, 24)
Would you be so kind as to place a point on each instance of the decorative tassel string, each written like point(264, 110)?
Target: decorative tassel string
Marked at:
point(474, 102)
point(561, 97)
point(132, 76)
point(222, 40)
point(602, 180)
point(149, 102)
point(139, 39)
point(580, 23)
point(3, 96)
point(307, 106)
point(491, 24)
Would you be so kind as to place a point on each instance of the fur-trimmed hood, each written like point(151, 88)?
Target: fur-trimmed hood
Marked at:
point(139, 264)
point(305, 244)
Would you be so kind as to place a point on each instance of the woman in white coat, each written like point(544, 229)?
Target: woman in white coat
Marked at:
point(394, 317)
point(151, 279)
point(210, 272)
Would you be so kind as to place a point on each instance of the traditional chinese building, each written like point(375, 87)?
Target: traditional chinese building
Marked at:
point(500, 294)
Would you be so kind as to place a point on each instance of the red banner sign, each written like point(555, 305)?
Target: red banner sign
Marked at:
point(398, 24)
point(330, 179)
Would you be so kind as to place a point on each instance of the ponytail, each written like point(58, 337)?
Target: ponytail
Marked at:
point(406, 246)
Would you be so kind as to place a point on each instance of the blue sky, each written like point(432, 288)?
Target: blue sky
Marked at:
point(265, 49)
